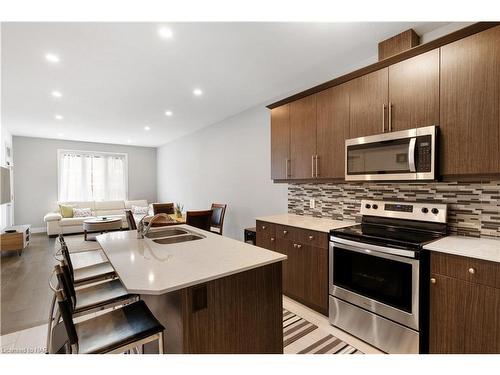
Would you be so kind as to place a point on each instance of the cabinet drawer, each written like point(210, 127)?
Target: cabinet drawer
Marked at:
point(467, 269)
point(312, 238)
point(286, 233)
point(265, 228)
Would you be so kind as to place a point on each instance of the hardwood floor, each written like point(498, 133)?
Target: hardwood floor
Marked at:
point(25, 294)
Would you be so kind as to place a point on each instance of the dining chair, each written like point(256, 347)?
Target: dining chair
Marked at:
point(116, 331)
point(163, 208)
point(217, 221)
point(199, 219)
point(130, 220)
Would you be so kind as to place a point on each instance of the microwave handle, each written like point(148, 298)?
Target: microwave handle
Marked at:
point(411, 154)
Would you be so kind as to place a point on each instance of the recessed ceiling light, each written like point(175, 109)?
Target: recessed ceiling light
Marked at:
point(50, 57)
point(147, 128)
point(129, 141)
point(168, 113)
point(56, 94)
point(197, 92)
point(165, 33)
point(60, 134)
point(58, 117)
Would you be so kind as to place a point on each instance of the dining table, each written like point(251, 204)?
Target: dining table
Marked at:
point(173, 219)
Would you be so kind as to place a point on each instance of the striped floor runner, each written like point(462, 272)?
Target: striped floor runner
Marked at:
point(303, 337)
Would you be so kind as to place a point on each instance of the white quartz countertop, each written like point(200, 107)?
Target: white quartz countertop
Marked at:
point(146, 267)
point(479, 248)
point(319, 224)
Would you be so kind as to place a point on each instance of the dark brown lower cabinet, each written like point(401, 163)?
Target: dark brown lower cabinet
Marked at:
point(464, 305)
point(305, 272)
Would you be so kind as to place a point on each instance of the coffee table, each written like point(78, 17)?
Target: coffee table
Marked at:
point(100, 224)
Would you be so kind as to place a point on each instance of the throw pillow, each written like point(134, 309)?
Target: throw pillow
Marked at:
point(66, 210)
point(138, 210)
point(82, 212)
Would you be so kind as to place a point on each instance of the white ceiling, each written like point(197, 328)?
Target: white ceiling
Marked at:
point(117, 78)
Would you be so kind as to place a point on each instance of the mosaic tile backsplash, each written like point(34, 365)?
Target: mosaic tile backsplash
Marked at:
point(473, 208)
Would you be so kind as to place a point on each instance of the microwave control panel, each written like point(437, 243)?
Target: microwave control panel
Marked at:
point(423, 154)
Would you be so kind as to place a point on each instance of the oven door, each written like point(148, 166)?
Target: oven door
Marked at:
point(382, 280)
point(404, 155)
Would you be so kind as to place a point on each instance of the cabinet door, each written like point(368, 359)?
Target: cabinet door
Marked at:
point(447, 315)
point(296, 271)
point(316, 278)
point(470, 97)
point(414, 92)
point(280, 142)
point(265, 235)
point(302, 137)
point(332, 131)
point(482, 333)
point(368, 96)
point(282, 246)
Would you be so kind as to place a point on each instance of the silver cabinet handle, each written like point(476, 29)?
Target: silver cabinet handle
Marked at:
point(317, 172)
point(294, 245)
point(312, 166)
point(383, 118)
point(472, 271)
point(311, 238)
point(285, 232)
point(263, 227)
point(299, 246)
point(433, 280)
point(287, 168)
point(389, 109)
point(272, 239)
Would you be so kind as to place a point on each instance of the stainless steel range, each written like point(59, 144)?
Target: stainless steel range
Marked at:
point(376, 273)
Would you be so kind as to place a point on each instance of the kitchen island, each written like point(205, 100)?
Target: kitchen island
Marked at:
point(213, 294)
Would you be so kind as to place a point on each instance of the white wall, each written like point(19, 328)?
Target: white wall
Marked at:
point(228, 162)
point(35, 168)
point(6, 210)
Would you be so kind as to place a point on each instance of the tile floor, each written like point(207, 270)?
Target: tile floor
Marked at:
point(32, 340)
point(322, 322)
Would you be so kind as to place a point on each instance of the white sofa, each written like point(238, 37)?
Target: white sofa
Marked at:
point(56, 224)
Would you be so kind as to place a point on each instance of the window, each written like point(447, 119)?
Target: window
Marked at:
point(88, 176)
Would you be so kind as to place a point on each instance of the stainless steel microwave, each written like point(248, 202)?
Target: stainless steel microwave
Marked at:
point(408, 155)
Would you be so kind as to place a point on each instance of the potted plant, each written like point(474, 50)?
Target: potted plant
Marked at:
point(178, 210)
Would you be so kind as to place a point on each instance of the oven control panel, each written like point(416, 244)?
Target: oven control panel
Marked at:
point(422, 211)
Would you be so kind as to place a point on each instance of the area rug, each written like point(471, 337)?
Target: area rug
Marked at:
point(303, 337)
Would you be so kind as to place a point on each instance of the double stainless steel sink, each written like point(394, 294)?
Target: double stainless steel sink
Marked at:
point(173, 235)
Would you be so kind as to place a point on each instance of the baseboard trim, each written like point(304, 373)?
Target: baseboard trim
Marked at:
point(39, 230)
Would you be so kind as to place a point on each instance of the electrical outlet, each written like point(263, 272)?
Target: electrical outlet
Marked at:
point(312, 203)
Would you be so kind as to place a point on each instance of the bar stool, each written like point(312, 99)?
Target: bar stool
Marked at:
point(84, 258)
point(107, 294)
point(114, 332)
point(89, 274)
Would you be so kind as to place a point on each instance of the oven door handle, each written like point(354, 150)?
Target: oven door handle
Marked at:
point(360, 247)
point(411, 154)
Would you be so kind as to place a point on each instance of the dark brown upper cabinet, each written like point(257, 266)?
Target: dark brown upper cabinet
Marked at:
point(453, 83)
point(332, 127)
point(303, 138)
point(469, 100)
point(368, 104)
point(414, 92)
point(280, 142)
